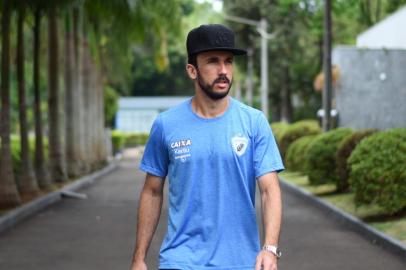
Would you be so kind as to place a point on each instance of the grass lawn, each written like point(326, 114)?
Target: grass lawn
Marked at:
point(374, 216)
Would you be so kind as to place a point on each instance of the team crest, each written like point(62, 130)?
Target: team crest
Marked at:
point(239, 144)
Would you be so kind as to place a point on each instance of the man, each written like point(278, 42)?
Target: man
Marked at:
point(214, 150)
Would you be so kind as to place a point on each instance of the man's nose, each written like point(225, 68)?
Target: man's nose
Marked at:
point(223, 68)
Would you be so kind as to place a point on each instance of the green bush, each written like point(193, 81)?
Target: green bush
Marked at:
point(121, 140)
point(117, 140)
point(135, 139)
point(343, 153)
point(278, 129)
point(297, 130)
point(321, 156)
point(296, 156)
point(378, 170)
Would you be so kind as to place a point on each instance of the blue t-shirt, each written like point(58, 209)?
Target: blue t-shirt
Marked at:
point(211, 165)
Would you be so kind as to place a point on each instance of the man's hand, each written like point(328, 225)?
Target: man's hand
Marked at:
point(266, 261)
point(138, 265)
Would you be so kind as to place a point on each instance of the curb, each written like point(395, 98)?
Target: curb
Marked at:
point(376, 237)
point(21, 213)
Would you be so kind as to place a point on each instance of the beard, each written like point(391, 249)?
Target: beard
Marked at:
point(208, 89)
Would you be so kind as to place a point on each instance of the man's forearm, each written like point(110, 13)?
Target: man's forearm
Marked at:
point(271, 211)
point(147, 221)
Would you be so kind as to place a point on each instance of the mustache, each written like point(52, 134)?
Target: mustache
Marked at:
point(221, 78)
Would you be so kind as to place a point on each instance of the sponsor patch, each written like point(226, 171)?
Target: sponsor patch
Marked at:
point(181, 149)
point(239, 144)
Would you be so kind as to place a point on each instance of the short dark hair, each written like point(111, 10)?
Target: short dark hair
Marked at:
point(192, 59)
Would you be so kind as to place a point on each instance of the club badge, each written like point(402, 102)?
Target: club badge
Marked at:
point(239, 144)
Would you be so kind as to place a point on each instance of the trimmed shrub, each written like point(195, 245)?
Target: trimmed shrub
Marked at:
point(117, 140)
point(296, 158)
point(135, 139)
point(121, 140)
point(321, 156)
point(378, 170)
point(278, 129)
point(296, 131)
point(343, 153)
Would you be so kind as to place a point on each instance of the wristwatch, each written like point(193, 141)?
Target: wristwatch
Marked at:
point(273, 249)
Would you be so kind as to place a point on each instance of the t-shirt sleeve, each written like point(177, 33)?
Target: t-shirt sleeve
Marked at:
point(266, 153)
point(155, 159)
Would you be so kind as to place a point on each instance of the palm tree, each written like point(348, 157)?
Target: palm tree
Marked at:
point(78, 48)
point(73, 151)
point(9, 196)
point(41, 171)
point(56, 153)
point(27, 183)
point(123, 22)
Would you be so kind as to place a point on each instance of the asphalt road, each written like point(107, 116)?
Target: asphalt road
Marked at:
point(98, 234)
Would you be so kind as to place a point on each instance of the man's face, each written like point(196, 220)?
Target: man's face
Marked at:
point(215, 73)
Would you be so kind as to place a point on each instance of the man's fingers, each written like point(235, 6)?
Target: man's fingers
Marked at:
point(258, 264)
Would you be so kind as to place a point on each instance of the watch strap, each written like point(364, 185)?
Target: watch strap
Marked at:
point(273, 249)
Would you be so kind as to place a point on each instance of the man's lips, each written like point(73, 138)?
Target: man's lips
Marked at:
point(222, 84)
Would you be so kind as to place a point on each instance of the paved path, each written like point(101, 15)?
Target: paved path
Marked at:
point(98, 234)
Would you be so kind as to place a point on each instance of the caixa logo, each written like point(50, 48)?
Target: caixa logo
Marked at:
point(181, 143)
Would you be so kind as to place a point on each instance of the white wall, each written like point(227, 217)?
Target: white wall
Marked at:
point(390, 33)
point(135, 120)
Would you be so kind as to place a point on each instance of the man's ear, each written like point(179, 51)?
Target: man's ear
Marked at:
point(191, 71)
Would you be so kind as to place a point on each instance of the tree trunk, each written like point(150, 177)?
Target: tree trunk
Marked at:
point(88, 84)
point(9, 196)
point(44, 180)
point(85, 85)
point(286, 104)
point(101, 145)
point(27, 183)
point(56, 155)
point(73, 158)
point(78, 48)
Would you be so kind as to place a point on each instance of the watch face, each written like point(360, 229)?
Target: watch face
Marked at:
point(278, 252)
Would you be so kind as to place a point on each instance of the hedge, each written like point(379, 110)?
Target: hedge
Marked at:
point(378, 170)
point(297, 130)
point(278, 129)
point(135, 139)
point(296, 156)
point(117, 140)
point(343, 153)
point(120, 140)
point(321, 156)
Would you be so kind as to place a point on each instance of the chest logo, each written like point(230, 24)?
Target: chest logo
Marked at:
point(181, 149)
point(239, 144)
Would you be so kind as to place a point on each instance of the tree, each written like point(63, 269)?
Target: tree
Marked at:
point(296, 51)
point(40, 164)
point(56, 153)
point(74, 157)
point(27, 182)
point(9, 196)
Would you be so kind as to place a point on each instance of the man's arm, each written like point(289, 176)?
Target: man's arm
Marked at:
point(148, 216)
point(271, 217)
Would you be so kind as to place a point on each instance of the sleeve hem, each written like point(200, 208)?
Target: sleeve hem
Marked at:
point(275, 168)
point(151, 170)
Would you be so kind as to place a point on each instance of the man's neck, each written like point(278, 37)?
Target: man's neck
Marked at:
point(205, 107)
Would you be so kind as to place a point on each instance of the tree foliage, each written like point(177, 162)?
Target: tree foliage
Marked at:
point(295, 54)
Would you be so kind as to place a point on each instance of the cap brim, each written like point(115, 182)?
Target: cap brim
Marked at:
point(232, 50)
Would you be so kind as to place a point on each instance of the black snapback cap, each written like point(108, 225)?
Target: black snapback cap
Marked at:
point(211, 37)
